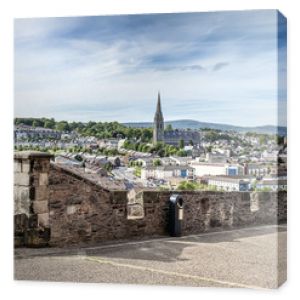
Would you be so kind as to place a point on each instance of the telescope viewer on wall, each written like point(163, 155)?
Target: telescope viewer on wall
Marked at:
point(176, 215)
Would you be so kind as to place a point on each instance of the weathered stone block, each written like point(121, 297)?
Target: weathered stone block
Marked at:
point(22, 179)
point(40, 207)
point(17, 166)
point(41, 165)
point(37, 238)
point(19, 241)
point(26, 166)
point(72, 209)
point(135, 211)
point(43, 220)
point(41, 193)
point(119, 197)
point(55, 204)
point(43, 179)
point(254, 202)
point(20, 222)
point(33, 221)
point(76, 199)
point(22, 200)
point(87, 188)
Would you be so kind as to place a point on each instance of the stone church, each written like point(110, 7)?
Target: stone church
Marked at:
point(171, 137)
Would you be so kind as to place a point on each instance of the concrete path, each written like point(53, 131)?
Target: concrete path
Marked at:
point(246, 258)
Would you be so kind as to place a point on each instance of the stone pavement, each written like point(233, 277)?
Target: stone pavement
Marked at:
point(245, 258)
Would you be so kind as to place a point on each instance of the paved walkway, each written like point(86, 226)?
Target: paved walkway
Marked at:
point(244, 258)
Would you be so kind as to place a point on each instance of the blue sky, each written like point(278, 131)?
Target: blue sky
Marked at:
point(213, 67)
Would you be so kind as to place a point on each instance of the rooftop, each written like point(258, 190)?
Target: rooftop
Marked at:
point(167, 168)
point(235, 179)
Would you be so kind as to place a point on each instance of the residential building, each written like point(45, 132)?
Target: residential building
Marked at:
point(272, 184)
point(203, 168)
point(228, 183)
point(256, 169)
point(216, 158)
point(166, 172)
point(28, 132)
point(181, 161)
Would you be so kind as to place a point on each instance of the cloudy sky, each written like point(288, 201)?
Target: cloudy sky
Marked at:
point(210, 67)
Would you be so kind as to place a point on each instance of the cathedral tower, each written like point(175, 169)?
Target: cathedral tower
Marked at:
point(158, 130)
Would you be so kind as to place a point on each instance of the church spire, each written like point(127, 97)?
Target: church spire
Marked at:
point(158, 106)
point(158, 130)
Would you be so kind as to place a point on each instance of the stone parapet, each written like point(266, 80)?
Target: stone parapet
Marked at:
point(31, 198)
point(56, 207)
point(82, 212)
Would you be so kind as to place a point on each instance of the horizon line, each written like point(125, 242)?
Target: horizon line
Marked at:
point(166, 121)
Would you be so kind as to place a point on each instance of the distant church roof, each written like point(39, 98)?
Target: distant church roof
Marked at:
point(184, 134)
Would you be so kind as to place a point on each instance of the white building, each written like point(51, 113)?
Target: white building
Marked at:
point(181, 161)
point(227, 183)
point(256, 169)
point(201, 169)
point(272, 184)
point(269, 155)
point(216, 157)
point(109, 143)
point(167, 161)
point(145, 161)
point(166, 172)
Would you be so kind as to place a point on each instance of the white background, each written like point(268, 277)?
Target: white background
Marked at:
point(36, 290)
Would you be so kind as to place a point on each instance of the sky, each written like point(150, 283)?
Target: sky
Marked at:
point(218, 67)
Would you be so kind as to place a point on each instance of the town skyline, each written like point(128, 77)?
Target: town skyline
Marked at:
point(150, 123)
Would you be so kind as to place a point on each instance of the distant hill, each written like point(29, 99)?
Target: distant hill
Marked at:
point(192, 124)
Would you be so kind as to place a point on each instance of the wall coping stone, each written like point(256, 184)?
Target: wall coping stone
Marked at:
point(32, 154)
point(79, 176)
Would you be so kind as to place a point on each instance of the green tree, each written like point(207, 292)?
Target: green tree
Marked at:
point(187, 185)
point(35, 123)
point(212, 188)
point(263, 139)
point(62, 126)
point(140, 147)
point(209, 149)
point(161, 152)
point(181, 143)
point(181, 153)
point(49, 124)
point(169, 127)
point(147, 134)
point(137, 171)
point(156, 163)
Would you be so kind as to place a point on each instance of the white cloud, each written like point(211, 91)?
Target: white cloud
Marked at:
point(64, 77)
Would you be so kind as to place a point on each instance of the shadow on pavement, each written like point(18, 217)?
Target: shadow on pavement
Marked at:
point(163, 249)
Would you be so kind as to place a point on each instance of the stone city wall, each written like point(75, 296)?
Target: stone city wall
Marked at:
point(82, 212)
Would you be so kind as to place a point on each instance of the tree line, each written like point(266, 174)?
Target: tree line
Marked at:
point(160, 148)
point(99, 130)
